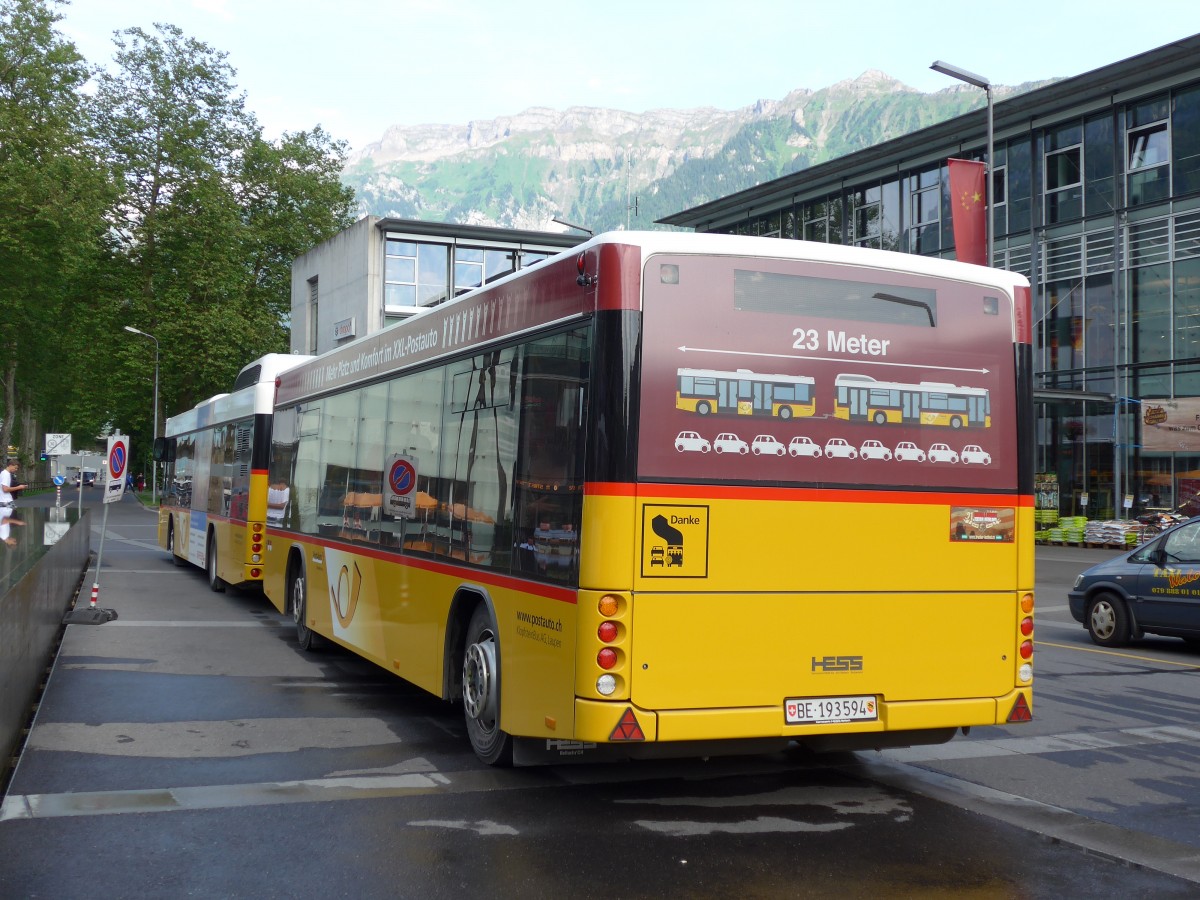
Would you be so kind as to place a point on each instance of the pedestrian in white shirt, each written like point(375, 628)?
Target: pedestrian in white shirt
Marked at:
point(8, 490)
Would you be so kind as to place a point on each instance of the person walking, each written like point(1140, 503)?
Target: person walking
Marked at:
point(8, 490)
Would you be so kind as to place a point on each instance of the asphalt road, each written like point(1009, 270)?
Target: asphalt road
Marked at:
point(190, 749)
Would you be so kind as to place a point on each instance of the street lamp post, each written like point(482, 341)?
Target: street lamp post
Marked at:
point(153, 465)
point(980, 82)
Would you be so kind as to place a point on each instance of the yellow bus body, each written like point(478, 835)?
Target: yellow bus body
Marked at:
point(715, 657)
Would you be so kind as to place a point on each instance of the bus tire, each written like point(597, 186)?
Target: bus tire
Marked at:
point(955, 422)
point(481, 690)
point(175, 560)
point(703, 408)
point(785, 412)
point(1108, 620)
point(298, 602)
point(880, 417)
point(215, 582)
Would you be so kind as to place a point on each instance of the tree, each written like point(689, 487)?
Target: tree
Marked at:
point(51, 196)
point(211, 216)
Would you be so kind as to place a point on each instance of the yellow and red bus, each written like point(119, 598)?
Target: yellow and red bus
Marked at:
point(215, 507)
point(744, 393)
point(498, 501)
point(863, 398)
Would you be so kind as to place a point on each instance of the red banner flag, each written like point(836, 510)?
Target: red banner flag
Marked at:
point(969, 210)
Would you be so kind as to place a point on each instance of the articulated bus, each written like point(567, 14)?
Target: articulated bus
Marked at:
point(863, 398)
point(744, 393)
point(500, 501)
point(214, 507)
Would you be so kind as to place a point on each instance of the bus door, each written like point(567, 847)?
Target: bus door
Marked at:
point(976, 410)
point(911, 402)
point(858, 403)
point(726, 394)
point(762, 397)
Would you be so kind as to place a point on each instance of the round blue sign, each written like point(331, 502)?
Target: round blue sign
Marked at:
point(59, 480)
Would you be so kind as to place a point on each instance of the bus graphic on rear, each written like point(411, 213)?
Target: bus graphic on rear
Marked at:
point(744, 393)
point(860, 398)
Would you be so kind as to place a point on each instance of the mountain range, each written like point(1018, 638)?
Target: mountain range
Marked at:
point(607, 169)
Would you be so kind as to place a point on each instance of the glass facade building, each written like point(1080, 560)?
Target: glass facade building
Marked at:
point(1096, 185)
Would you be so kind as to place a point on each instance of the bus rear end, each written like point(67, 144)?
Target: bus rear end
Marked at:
point(844, 582)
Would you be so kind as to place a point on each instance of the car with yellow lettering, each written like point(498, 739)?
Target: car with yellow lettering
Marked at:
point(1154, 589)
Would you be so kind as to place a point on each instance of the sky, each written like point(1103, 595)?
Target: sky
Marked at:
point(357, 67)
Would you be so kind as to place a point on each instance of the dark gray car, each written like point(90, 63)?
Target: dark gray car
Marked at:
point(1153, 590)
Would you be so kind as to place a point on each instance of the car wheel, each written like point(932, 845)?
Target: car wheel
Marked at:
point(704, 448)
point(481, 690)
point(1108, 620)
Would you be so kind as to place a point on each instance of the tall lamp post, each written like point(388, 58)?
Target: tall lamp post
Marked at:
point(153, 465)
point(980, 82)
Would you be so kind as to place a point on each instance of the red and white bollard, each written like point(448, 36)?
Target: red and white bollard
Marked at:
point(95, 594)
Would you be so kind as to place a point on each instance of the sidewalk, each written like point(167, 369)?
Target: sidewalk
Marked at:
point(185, 713)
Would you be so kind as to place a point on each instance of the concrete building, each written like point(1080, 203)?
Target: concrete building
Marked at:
point(379, 271)
point(1096, 187)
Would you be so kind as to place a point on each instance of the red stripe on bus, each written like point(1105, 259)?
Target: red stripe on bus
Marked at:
point(483, 576)
point(800, 494)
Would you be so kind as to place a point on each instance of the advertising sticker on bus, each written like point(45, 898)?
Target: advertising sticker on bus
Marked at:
point(118, 462)
point(402, 485)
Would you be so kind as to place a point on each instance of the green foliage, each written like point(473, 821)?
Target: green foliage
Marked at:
point(156, 203)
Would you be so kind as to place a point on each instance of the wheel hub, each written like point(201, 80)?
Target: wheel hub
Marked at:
point(479, 681)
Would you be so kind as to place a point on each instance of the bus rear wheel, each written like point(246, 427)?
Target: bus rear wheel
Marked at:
point(215, 581)
point(481, 691)
point(175, 560)
point(298, 600)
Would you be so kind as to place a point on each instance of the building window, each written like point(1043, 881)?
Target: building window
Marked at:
point(865, 217)
point(999, 198)
point(1064, 174)
point(821, 221)
point(415, 274)
point(1148, 151)
point(1185, 129)
point(476, 266)
point(925, 213)
point(1099, 183)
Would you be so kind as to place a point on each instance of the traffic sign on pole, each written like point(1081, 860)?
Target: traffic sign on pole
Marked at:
point(118, 464)
point(58, 444)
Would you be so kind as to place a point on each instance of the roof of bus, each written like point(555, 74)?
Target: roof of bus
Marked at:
point(254, 397)
point(784, 248)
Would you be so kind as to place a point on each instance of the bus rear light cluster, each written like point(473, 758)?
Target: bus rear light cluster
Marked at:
point(609, 606)
point(256, 542)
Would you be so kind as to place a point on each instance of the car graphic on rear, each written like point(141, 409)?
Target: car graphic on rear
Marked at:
point(728, 442)
point(838, 447)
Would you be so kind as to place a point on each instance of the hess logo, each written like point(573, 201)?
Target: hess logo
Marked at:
point(837, 663)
